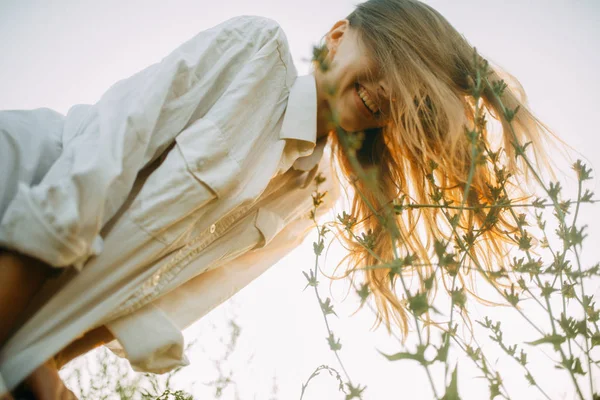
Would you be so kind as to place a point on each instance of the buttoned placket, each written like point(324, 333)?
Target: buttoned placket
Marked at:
point(152, 287)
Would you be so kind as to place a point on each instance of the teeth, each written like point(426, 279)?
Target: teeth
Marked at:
point(367, 100)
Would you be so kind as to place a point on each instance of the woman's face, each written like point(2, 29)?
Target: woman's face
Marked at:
point(358, 102)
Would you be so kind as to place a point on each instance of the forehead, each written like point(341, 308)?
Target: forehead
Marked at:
point(361, 51)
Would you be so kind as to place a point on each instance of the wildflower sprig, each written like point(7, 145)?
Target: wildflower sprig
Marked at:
point(349, 141)
point(519, 356)
point(571, 238)
point(529, 277)
point(326, 305)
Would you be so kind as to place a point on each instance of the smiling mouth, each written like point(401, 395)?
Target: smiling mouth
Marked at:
point(366, 100)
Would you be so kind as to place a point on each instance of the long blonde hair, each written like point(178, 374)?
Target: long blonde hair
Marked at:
point(424, 152)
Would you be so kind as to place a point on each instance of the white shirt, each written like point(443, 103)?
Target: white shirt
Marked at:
point(223, 135)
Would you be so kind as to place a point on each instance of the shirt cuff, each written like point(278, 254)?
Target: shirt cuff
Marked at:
point(29, 228)
point(149, 340)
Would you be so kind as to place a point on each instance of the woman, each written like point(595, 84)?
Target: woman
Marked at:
point(190, 178)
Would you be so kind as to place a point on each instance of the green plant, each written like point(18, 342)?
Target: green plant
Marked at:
point(548, 269)
point(102, 375)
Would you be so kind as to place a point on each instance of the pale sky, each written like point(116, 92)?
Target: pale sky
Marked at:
point(57, 54)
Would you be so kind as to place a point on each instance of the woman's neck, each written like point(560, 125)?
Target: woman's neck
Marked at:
point(324, 125)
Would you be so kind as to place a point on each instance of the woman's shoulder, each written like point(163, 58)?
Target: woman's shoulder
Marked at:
point(248, 24)
point(256, 29)
point(259, 29)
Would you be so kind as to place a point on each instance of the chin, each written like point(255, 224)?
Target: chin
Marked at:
point(349, 124)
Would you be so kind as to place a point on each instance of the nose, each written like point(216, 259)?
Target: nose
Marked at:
point(383, 89)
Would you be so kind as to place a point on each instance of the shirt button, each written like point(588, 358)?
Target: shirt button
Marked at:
point(213, 227)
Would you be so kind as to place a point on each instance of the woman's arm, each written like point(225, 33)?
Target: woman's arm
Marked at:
point(21, 278)
point(89, 341)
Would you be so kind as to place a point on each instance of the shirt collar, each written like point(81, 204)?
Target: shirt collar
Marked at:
point(300, 121)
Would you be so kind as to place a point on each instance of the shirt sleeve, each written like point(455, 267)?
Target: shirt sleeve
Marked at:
point(59, 220)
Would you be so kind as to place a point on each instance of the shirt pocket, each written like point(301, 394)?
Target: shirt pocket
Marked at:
point(195, 173)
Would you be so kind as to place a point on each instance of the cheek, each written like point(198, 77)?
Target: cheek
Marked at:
point(351, 119)
point(346, 110)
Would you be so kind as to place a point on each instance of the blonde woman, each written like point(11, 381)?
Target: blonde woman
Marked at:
point(125, 221)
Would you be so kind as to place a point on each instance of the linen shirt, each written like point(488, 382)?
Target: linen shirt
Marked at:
point(181, 185)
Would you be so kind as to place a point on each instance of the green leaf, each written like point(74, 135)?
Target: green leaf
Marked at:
point(593, 315)
point(327, 307)
point(596, 339)
point(494, 389)
point(442, 351)
point(402, 356)
point(555, 340)
point(459, 297)
point(548, 289)
point(318, 198)
point(347, 220)
point(530, 379)
point(522, 221)
point(524, 241)
point(554, 190)
point(538, 203)
point(568, 290)
point(319, 55)
point(572, 364)
point(499, 86)
point(510, 115)
point(312, 279)
point(474, 354)
point(363, 293)
point(333, 344)
point(512, 297)
point(452, 389)
point(319, 178)
point(418, 356)
point(367, 239)
point(428, 282)
point(583, 172)
point(318, 247)
point(572, 236)
point(354, 392)
point(568, 325)
point(523, 359)
point(586, 197)
point(418, 303)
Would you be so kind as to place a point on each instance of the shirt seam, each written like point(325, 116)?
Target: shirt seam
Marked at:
point(285, 82)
